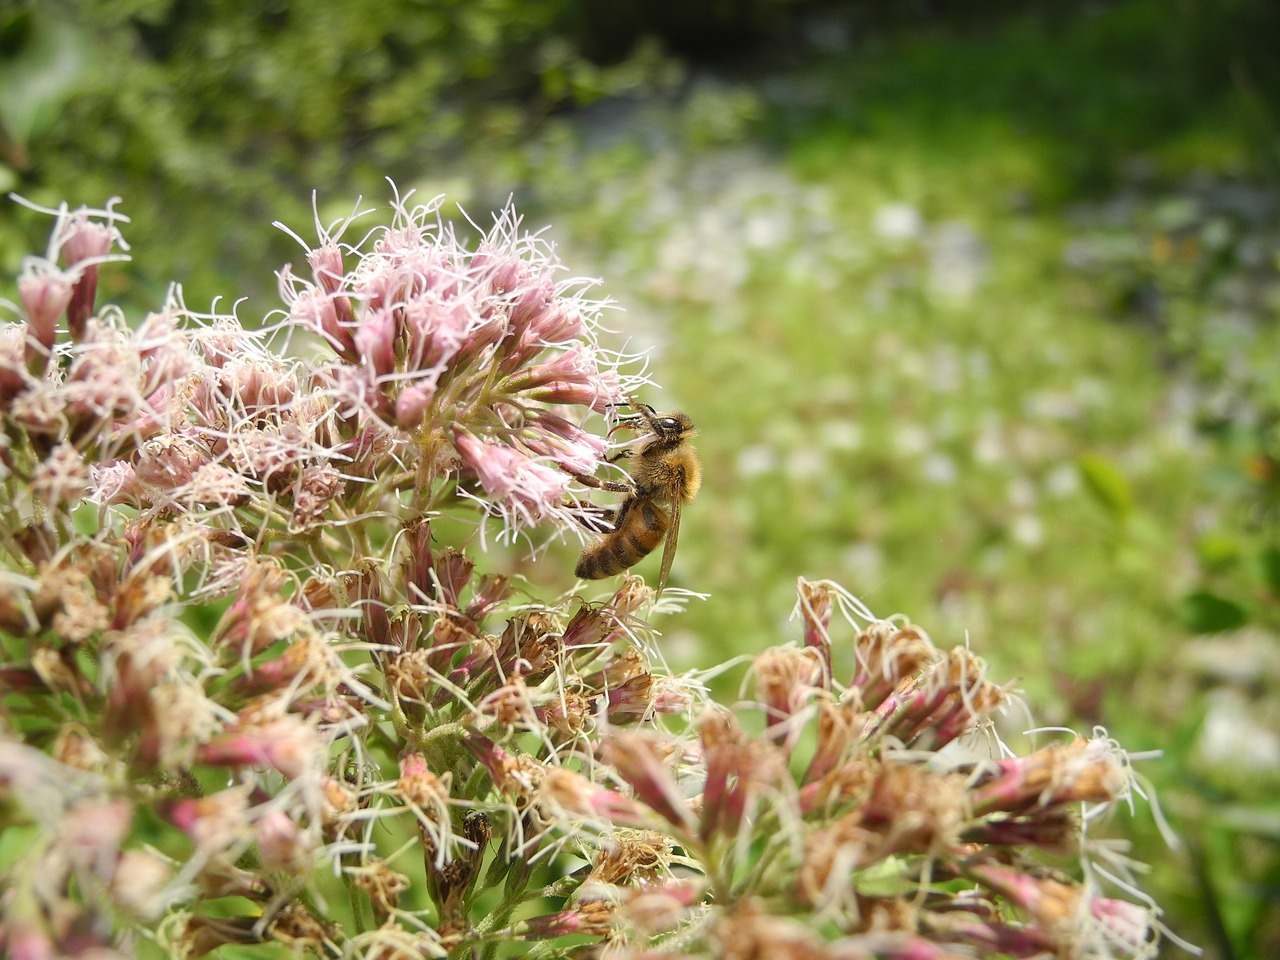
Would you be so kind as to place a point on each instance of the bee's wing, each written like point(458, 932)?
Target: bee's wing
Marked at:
point(673, 533)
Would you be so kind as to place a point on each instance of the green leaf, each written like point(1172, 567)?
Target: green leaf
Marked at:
point(1205, 612)
point(1106, 483)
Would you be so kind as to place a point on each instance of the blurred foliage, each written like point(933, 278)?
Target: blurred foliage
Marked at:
point(231, 114)
point(977, 309)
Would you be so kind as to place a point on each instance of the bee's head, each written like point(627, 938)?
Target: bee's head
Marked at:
point(671, 426)
point(665, 427)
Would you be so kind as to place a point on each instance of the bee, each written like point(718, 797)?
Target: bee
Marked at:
point(665, 475)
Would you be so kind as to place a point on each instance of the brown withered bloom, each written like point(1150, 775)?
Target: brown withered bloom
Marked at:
point(382, 885)
point(633, 857)
point(265, 684)
point(787, 679)
point(902, 809)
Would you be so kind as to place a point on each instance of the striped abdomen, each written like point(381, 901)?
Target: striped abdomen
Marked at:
point(640, 527)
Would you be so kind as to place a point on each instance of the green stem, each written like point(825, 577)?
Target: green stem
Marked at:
point(356, 903)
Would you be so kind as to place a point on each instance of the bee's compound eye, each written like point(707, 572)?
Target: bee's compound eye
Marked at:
point(668, 423)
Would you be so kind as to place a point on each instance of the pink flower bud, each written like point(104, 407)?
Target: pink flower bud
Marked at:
point(215, 823)
point(299, 666)
point(318, 312)
point(114, 483)
point(652, 908)
point(375, 340)
point(14, 376)
point(61, 479)
point(632, 595)
point(552, 437)
point(480, 340)
point(287, 745)
point(82, 242)
point(557, 323)
point(84, 239)
point(513, 775)
point(282, 843)
point(588, 627)
point(102, 382)
point(166, 352)
point(139, 879)
point(566, 716)
point(838, 724)
point(739, 769)
point(600, 393)
point(45, 296)
point(574, 793)
point(1049, 901)
point(536, 323)
point(165, 463)
point(575, 365)
point(638, 759)
point(453, 571)
point(530, 296)
point(939, 704)
point(327, 270)
point(91, 833)
point(26, 940)
point(1129, 924)
point(887, 654)
point(815, 609)
point(786, 680)
point(412, 404)
point(509, 475)
point(631, 700)
point(434, 331)
point(587, 918)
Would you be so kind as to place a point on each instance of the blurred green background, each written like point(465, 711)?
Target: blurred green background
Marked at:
point(976, 305)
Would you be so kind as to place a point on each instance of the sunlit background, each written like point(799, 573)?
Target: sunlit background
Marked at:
point(975, 305)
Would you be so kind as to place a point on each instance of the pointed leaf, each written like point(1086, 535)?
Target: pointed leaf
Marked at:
point(1106, 483)
point(1205, 612)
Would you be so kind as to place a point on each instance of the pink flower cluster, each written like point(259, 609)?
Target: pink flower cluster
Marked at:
point(464, 351)
point(444, 364)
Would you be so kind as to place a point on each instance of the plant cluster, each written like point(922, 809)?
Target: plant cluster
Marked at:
point(257, 685)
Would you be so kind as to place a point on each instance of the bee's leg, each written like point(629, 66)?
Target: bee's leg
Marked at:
point(592, 517)
point(643, 412)
point(612, 486)
point(612, 416)
point(620, 455)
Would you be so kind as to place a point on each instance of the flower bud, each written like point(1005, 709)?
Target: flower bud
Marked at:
point(287, 745)
point(638, 759)
point(84, 242)
point(282, 843)
point(45, 296)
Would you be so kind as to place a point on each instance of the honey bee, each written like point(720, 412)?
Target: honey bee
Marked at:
point(665, 475)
